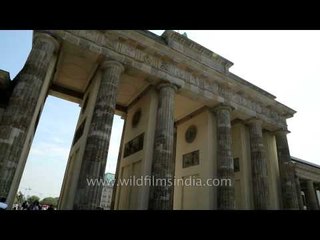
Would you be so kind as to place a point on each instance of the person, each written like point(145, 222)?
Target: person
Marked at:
point(3, 205)
point(50, 207)
point(25, 205)
point(35, 206)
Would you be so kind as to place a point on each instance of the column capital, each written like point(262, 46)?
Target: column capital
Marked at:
point(281, 131)
point(167, 84)
point(222, 106)
point(290, 165)
point(44, 36)
point(112, 64)
point(254, 121)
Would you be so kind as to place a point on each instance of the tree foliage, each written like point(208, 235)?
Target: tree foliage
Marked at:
point(33, 198)
point(50, 201)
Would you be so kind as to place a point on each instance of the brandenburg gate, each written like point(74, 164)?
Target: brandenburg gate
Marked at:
point(186, 115)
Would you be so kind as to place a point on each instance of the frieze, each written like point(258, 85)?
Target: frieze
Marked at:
point(94, 37)
point(211, 86)
point(141, 56)
point(99, 43)
point(164, 66)
point(307, 168)
point(305, 174)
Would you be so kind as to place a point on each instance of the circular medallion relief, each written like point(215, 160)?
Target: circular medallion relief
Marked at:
point(191, 133)
point(136, 118)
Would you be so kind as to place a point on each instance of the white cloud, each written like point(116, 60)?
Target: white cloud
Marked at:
point(49, 149)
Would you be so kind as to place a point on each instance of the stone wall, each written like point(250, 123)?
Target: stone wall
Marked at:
point(4, 90)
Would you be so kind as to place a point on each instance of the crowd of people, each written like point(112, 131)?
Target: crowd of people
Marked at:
point(33, 206)
point(26, 205)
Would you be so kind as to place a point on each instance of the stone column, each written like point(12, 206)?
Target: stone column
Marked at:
point(226, 194)
point(96, 150)
point(286, 169)
point(258, 165)
point(161, 197)
point(298, 187)
point(17, 118)
point(311, 196)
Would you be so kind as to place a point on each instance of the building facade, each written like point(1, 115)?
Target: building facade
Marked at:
point(186, 117)
point(307, 176)
point(106, 195)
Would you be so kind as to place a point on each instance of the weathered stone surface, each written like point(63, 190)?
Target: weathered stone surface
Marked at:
point(193, 78)
point(5, 91)
point(226, 194)
point(161, 197)
point(4, 79)
point(298, 187)
point(287, 172)
point(17, 117)
point(194, 50)
point(311, 196)
point(201, 74)
point(259, 166)
point(97, 145)
point(306, 170)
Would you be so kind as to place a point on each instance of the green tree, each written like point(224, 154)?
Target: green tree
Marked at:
point(33, 198)
point(50, 201)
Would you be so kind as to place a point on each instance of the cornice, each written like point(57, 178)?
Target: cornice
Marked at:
point(182, 44)
point(205, 85)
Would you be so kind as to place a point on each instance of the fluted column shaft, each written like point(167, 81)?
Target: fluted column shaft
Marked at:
point(287, 173)
point(96, 150)
point(19, 113)
point(259, 166)
point(312, 200)
point(161, 197)
point(298, 187)
point(225, 168)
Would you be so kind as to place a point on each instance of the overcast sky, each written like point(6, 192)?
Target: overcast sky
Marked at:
point(284, 63)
